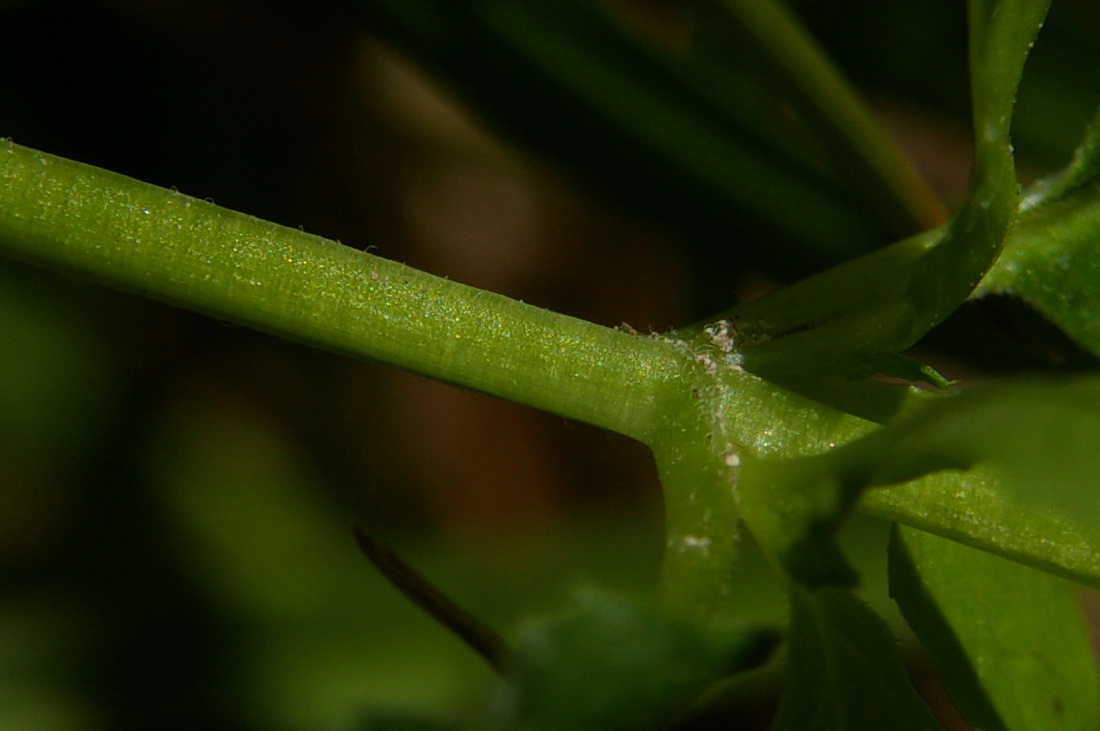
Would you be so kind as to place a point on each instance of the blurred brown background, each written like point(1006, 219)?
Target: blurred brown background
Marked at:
point(175, 493)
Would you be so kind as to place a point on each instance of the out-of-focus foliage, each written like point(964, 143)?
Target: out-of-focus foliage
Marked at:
point(171, 488)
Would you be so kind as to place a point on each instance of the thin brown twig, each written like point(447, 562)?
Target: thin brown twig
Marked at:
point(420, 592)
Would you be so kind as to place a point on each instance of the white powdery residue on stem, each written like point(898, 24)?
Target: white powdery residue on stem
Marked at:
point(731, 458)
point(674, 342)
point(695, 543)
point(707, 362)
point(723, 334)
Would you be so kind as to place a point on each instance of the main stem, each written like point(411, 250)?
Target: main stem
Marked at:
point(191, 253)
point(181, 250)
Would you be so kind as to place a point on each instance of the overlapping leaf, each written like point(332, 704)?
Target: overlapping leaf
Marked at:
point(1052, 260)
point(885, 302)
point(1039, 437)
point(795, 507)
point(880, 304)
point(1022, 663)
point(844, 670)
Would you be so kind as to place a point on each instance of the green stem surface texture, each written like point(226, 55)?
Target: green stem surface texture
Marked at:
point(184, 251)
point(690, 401)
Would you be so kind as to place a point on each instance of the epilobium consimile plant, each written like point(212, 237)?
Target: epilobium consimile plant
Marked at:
point(770, 422)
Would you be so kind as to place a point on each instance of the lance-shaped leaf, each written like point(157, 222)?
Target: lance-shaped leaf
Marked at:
point(1030, 443)
point(976, 509)
point(844, 670)
point(1052, 260)
point(1040, 437)
point(888, 300)
point(1008, 642)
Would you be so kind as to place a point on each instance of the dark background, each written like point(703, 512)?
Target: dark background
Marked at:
point(176, 493)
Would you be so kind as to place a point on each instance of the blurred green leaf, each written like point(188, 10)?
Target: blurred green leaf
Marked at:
point(611, 662)
point(320, 637)
point(53, 384)
point(1008, 642)
point(1036, 438)
point(402, 723)
point(46, 640)
point(644, 125)
point(844, 670)
point(795, 509)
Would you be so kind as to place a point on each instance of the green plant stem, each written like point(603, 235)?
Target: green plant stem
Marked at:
point(855, 142)
point(184, 251)
point(972, 509)
point(685, 400)
point(1001, 34)
point(965, 467)
point(724, 418)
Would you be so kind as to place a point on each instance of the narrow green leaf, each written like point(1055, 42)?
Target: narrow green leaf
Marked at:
point(1040, 437)
point(888, 300)
point(1001, 34)
point(975, 508)
point(854, 141)
point(1009, 642)
point(1051, 261)
point(844, 670)
point(1026, 449)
